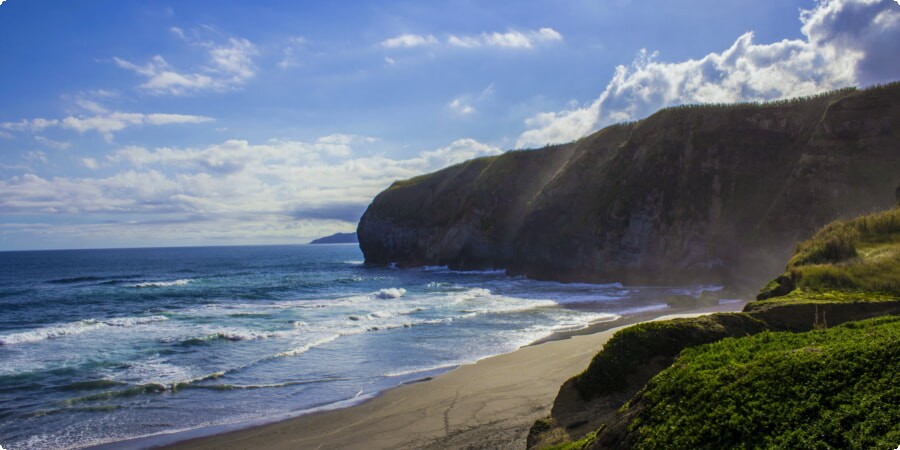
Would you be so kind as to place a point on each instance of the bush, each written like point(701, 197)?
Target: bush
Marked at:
point(614, 368)
point(832, 388)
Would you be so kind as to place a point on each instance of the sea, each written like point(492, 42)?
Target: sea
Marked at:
point(104, 346)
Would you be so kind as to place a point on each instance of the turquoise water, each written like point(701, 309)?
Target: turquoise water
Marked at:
point(104, 345)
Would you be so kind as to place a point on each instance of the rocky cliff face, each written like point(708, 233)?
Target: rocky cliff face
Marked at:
point(703, 193)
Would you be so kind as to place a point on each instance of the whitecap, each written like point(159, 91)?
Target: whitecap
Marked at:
point(74, 328)
point(152, 284)
point(390, 293)
point(308, 346)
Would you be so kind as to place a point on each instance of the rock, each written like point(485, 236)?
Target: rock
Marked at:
point(711, 194)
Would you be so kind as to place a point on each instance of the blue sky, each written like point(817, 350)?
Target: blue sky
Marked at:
point(148, 123)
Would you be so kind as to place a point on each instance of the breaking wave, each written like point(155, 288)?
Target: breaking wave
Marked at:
point(154, 284)
point(75, 328)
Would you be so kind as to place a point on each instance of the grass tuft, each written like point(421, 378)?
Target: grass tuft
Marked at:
point(860, 255)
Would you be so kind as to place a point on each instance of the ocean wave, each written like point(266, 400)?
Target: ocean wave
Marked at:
point(233, 335)
point(91, 384)
point(153, 284)
point(410, 324)
point(389, 293)
point(583, 321)
point(230, 387)
point(445, 269)
point(405, 372)
point(74, 280)
point(150, 387)
point(307, 347)
point(74, 328)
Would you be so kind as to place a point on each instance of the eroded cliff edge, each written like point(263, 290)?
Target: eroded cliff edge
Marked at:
point(716, 193)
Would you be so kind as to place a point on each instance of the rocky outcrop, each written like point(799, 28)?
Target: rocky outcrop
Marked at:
point(703, 193)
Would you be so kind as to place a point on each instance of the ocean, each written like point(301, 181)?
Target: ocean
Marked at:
point(100, 346)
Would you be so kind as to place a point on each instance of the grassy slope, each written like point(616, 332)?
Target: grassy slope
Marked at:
point(826, 388)
point(853, 260)
point(834, 388)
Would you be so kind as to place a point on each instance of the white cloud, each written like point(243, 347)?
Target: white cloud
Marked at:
point(5, 135)
point(229, 65)
point(458, 106)
point(409, 40)
point(105, 123)
point(29, 125)
point(231, 187)
point(51, 143)
point(289, 53)
point(458, 151)
point(846, 42)
point(510, 39)
point(36, 155)
point(166, 119)
point(465, 105)
point(90, 163)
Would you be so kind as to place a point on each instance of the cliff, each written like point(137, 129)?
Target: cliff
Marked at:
point(715, 193)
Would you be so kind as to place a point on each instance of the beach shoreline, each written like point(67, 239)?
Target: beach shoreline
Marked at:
point(487, 404)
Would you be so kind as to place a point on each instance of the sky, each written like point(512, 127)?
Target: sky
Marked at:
point(128, 123)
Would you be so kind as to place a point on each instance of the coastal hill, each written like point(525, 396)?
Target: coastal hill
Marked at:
point(812, 363)
point(336, 238)
point(710, 193)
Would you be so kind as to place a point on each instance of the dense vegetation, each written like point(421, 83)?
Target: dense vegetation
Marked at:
point(615, 367)
point(851, 257)
point(774, 376)
point(834, 388)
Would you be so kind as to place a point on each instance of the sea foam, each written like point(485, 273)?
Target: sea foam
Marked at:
point(390, 293)
point(153, 284)
point(74, 328)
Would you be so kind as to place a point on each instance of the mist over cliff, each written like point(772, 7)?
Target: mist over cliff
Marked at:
point(710, 193)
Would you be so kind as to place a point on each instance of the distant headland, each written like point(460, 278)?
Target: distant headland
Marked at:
point(337, 238)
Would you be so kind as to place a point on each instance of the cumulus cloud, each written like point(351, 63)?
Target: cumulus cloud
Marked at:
point(409, 40)
point(234, 187)
point(846, 42)
point(229, 65)
point(510, 39)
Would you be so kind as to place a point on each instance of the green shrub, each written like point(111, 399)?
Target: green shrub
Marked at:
point(834, 388)
point(613, 369)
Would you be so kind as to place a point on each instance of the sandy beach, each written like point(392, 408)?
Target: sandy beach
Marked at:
point(489, 404)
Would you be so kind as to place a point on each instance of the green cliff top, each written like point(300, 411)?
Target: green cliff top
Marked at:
point(856, 260)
